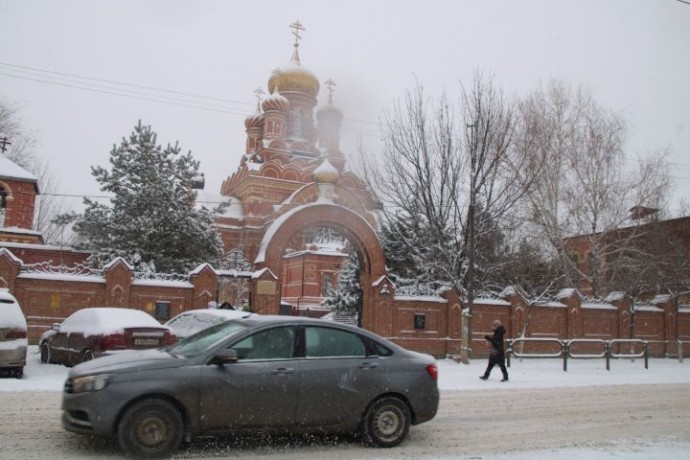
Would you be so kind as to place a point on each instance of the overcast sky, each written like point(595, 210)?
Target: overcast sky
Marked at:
point(60, 62)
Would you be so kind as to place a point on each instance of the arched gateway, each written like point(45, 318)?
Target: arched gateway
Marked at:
point(350, 225)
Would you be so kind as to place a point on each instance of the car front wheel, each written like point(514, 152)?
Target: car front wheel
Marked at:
point(386, 422)
point(150, 429)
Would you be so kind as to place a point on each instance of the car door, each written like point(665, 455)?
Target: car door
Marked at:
point(338, 379)
point(259, 390)
point(59, 347)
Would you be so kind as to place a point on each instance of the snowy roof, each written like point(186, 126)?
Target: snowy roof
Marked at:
point(661, 298)
point(421, 298)
point(62, 277)
point(24, 231)
point(649, 308)
point(167, 283)
point(500, 302)
point(598, 306)
point(615, 295)
point(11, 170)
point(212, 200)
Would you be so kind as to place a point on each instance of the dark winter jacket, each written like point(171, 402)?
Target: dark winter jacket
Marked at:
point(496, 341)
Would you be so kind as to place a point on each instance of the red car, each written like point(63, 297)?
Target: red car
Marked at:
point(88, 333)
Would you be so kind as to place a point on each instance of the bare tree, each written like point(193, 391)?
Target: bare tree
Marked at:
point(587, 187)
point(21, 150)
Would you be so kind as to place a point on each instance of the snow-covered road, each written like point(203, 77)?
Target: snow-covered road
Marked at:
point(627, 413)
point(605, 421)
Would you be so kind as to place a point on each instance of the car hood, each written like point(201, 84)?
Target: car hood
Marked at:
point(128, 361)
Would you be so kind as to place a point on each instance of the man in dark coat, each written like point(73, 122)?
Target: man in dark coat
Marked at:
point(497, 355)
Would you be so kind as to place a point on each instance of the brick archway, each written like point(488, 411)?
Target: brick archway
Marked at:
point(348, 223)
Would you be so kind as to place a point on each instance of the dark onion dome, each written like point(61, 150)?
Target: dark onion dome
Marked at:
point(329, 112)
point(276, 102)
point(294, 77)
point(255, 120)
point(325, 173)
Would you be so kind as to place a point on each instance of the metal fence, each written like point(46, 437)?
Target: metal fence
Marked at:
point(567, 349)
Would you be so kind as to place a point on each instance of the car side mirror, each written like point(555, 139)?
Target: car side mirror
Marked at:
point(56, 327)
point(223, 357)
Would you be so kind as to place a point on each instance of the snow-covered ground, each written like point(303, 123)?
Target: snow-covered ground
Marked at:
point(542, 373)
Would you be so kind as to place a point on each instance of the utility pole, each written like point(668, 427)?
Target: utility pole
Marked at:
point(467, 317)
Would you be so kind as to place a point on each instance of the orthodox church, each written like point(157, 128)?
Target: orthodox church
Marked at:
point(291, 148)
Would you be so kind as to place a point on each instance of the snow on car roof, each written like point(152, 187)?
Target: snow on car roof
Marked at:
point(107, 320)
point(11, 315)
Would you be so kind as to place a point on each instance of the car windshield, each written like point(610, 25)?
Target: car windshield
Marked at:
point(196, 344)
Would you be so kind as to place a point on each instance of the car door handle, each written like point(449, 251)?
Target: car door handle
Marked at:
point(368, 366)
point(283, 371)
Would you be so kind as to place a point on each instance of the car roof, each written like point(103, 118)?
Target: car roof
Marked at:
point(230, 314)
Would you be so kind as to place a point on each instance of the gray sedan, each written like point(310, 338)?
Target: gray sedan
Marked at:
point(260, 373)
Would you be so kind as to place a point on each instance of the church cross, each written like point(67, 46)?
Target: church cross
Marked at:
point(298, 27)
point(330, 84)
point(259, 92)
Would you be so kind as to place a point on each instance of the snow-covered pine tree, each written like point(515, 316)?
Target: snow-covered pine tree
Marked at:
point(346, 298)
point(150, 220)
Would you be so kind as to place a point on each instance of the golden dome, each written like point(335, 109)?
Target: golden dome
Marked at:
point(325, 173)
point(294, 77)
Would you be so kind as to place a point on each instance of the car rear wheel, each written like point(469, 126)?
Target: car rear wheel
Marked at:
point(86, 356)
point(150, 429)
point(45, 353)
point(386, 422)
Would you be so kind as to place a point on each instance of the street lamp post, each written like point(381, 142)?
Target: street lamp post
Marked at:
point(467, 316)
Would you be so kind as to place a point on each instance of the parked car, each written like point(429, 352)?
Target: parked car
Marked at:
point(13, 341)
point(91, 332)
point(192, 321)
point(258, 373)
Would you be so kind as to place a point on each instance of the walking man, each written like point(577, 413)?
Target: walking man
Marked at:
point(497, 355)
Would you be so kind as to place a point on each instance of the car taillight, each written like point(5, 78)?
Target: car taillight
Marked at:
point(113, 341)
point(432, 370)
point(170, 339)
point(15, 334)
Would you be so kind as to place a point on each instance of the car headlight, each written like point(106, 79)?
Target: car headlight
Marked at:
point(89, 383)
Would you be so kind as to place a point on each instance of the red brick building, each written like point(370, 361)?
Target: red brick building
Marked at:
point(291, 147)
point(648, 257)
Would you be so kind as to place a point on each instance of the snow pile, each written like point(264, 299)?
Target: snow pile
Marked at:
point(107, 320)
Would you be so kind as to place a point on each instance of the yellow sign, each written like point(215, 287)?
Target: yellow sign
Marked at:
point(55, 301)
point(266, 287)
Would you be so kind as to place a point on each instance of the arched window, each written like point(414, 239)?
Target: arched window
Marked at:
point(296, 123)
point(3, 206)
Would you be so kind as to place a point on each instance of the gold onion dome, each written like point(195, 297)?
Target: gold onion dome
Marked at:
point(325, 173)
point(294, 77)
point(275, 102)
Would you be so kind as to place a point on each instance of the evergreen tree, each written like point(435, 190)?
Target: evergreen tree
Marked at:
point(151, 220)
point(347, 297)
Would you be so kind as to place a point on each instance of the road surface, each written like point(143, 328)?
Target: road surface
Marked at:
point(471, 424)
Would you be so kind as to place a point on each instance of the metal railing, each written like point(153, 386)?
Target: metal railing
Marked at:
point(565, 350)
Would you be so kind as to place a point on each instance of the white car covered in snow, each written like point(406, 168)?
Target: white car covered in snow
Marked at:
point(13, 341)
point(192, 321)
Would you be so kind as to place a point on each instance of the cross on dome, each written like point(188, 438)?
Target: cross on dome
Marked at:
point(298, 27)
point(259, 93)
point(330, 84)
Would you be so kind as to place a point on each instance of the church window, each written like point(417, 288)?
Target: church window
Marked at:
point(3, 206)
point(296, 123)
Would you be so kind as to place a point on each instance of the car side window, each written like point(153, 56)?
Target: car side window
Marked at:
point(276, 343)
point(325, 342)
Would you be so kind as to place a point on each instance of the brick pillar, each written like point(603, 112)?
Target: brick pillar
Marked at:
point(205, 282)
point(264, 297)
point(118, 283)
point(10, 265)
